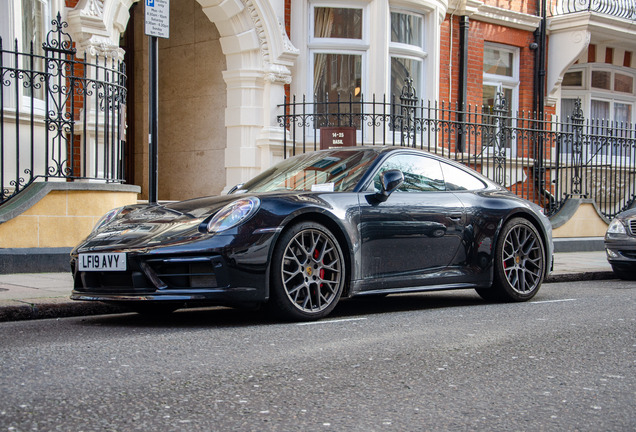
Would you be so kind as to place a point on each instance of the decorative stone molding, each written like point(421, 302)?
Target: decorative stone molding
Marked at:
point(278, 74)
point(477, 10)
point(106, 50)
point(96, 26)
point(464, 7)
point(508, 18)
point(276, 59)
point(565, 48)
point(94, 8)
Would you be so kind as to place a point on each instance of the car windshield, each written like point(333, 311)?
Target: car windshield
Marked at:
point(324, 171)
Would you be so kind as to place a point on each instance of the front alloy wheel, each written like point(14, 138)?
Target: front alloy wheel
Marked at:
point(519, 263)
point(307, 272)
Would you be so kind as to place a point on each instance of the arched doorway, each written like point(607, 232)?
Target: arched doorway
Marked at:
point(222, 76)
point(192, 97)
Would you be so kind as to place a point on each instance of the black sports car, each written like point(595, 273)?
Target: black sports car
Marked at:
point(620, 244)
point(317, 227)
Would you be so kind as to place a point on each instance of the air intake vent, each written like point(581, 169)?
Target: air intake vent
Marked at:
point(184, 273)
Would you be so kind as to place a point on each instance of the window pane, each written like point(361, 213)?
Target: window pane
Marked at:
point(623, 83)
point(622, 113)
point(493, 96)
point(567, 109)
point(457, 179)
point(337, 76)
point(498, 62)
point(33, 35)
point(400, 69)
point(406, 29)
point(600, 110)
point(601, 79)
point(573, 79)
point(342, 23)
point(420, 173)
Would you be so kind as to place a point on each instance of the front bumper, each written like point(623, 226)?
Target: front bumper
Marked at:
point(193, 279)
point(621, 252)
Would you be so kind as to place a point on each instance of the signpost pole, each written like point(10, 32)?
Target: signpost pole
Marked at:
point(156, 25)
point(153, 114)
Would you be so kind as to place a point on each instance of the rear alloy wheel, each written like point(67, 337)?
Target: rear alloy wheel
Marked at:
point(308, 273)
point(519, 263)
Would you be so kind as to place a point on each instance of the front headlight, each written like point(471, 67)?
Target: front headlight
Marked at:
point(233, 214)
point(616, 227)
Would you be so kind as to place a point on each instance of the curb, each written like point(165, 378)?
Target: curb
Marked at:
point(61, 307)
point(32, 309)
point(577, 277)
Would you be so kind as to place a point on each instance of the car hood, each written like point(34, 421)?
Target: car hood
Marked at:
point(148, 226)
point(627, 214)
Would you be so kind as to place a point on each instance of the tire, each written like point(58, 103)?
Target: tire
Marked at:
point(623, 274)
point(307, 273)
point(519, 263)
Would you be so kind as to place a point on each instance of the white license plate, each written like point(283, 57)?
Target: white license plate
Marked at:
point(102, 262)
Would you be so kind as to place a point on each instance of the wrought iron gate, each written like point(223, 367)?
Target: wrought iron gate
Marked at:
point(60, 117)
point(545, 160)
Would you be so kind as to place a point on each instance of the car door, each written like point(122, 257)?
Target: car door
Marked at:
point(409, 239)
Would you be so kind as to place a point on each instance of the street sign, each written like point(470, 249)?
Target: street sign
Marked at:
point(342, 136)
point(157, 18)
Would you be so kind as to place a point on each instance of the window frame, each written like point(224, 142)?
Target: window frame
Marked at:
point(401, 50)
point(512, 82)
point(587, 93)
point(337, 46)
point(502, 82)
point(16, 31)
point(411, 157)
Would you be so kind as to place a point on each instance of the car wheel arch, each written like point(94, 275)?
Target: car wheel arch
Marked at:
point(334, 227)
point(523, 215)
point(535, 223)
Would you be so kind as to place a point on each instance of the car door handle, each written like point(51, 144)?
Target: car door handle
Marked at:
point(455, 216)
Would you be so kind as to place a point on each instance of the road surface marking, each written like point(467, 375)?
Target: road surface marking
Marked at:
point(331, 321)
point(553, 301)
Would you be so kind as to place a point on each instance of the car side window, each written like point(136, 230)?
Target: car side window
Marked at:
point(457, 179)
point(420, 173)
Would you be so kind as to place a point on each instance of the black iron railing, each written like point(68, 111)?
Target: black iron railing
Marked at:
point(617, 8)
point(546, 161)
point(60, 117)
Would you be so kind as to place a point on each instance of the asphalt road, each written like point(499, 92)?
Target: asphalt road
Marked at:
point(436, 361)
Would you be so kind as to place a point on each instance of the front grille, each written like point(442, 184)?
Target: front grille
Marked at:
point(628, 254)
point(183, 273)
point(147, 275)
point(113, 282)
point(632, 226)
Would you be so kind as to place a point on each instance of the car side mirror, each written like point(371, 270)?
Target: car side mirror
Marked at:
point(390, 181)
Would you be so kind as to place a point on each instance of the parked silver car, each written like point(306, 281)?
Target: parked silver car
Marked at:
point(620, 244)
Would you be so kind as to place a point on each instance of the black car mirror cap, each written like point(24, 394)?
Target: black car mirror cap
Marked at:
point(390, 181)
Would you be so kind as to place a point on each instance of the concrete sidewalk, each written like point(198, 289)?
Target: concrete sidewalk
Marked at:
point(46, 295)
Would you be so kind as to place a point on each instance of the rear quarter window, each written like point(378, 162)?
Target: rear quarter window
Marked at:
point(458, 180)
